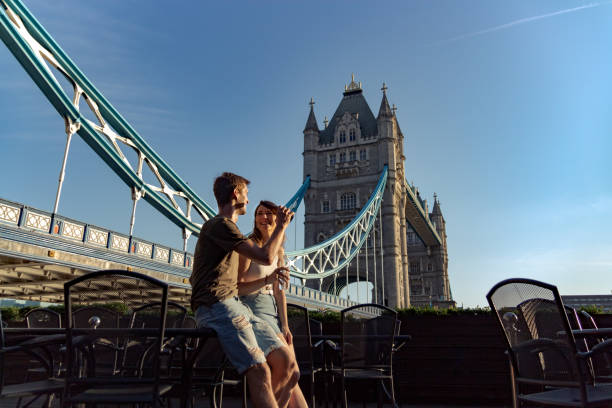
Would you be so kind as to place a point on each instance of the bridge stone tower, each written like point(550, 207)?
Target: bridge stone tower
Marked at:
point(344, 161)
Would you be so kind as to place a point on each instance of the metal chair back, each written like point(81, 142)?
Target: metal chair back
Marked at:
point(299, 325)
point(537, 330)
point(43, 318)
point(147, 316)
point(602, 363)
point(125, 290)
point(366, 339)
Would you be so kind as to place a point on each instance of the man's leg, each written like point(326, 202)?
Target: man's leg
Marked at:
point(283, 366)
point(232, 322)
point(260, 387)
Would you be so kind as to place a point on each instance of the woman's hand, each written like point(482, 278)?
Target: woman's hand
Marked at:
point(287, 335)
point(279, 277)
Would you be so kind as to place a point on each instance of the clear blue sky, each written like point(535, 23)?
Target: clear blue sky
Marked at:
point(505, 107)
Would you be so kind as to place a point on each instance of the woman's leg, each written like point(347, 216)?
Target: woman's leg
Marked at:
point(297, 399)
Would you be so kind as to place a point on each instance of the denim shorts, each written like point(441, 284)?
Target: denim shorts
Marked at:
point(263, 305)
point(245, 338)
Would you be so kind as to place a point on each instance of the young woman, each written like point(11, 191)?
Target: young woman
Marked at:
point(262, 293)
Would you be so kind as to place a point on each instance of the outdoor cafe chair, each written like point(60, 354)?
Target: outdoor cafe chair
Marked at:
point(136, 353)
point(299, 325)
point(547, 368)
point(90, 386)
point(206, 372)
point(366, 349)
point(101, 317)
point(44, 318)
point(602, 364)
point(11, 357)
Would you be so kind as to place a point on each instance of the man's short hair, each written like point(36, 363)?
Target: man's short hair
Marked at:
point(225, 185)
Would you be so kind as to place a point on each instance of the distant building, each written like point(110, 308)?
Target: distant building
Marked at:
point(577, 301)
point(344, 161)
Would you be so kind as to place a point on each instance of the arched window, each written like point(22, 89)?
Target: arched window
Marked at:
point(320, 237)
point(352, 155)
point(342, 136)
point(347, 201)
point(352, 135)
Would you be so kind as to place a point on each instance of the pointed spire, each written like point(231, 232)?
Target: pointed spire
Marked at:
point(385, 109)
point(311, 123)
point(436, 208)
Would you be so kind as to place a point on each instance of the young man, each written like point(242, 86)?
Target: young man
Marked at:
point(250, 343)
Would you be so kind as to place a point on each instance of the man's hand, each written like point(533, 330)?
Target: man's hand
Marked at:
point(284, 216)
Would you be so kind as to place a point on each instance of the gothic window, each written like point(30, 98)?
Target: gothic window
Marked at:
point(347, 201)
point(342, 157)
point(414, 267)
point(416, 289)
point(321, 237)
point(332, 159)
point(429, 267)
point(352, 155)
point(362, 154)
point(342, 136)
point(352, 135)
point(325, 206)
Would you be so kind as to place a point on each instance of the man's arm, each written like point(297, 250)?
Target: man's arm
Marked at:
point(265, 255)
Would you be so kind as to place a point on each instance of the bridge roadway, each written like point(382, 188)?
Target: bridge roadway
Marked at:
point(39, 252)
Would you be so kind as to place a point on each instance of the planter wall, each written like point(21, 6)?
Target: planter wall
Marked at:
point(452, 359)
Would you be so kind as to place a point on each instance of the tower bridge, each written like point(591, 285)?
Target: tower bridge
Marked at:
point(364, 224)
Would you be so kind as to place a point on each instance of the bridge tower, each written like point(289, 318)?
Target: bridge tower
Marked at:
point(344, 161)
point(429, 282)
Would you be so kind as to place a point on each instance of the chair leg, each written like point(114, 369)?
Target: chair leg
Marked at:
point(244, 392)
point(393, 394)
point(513, 385)
point(343, 391)
point(312, 390)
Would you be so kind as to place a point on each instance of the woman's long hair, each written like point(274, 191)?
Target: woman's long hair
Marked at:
point(256, 236)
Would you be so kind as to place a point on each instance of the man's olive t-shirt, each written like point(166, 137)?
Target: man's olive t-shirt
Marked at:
point(215, 264)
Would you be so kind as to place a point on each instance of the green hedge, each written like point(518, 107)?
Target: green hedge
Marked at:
point(15, 313)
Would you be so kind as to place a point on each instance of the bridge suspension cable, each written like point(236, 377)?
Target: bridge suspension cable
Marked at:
point(330, 256)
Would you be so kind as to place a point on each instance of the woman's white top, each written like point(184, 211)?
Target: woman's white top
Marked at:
point(264, 270)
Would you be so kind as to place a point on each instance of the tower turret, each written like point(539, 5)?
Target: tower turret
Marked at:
point(385, 109)
point(311, 140)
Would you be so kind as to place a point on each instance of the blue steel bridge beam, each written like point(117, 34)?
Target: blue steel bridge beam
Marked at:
point(332, 255)
point(34, 48)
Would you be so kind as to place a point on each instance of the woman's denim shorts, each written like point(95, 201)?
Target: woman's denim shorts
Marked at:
point(263, 306)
